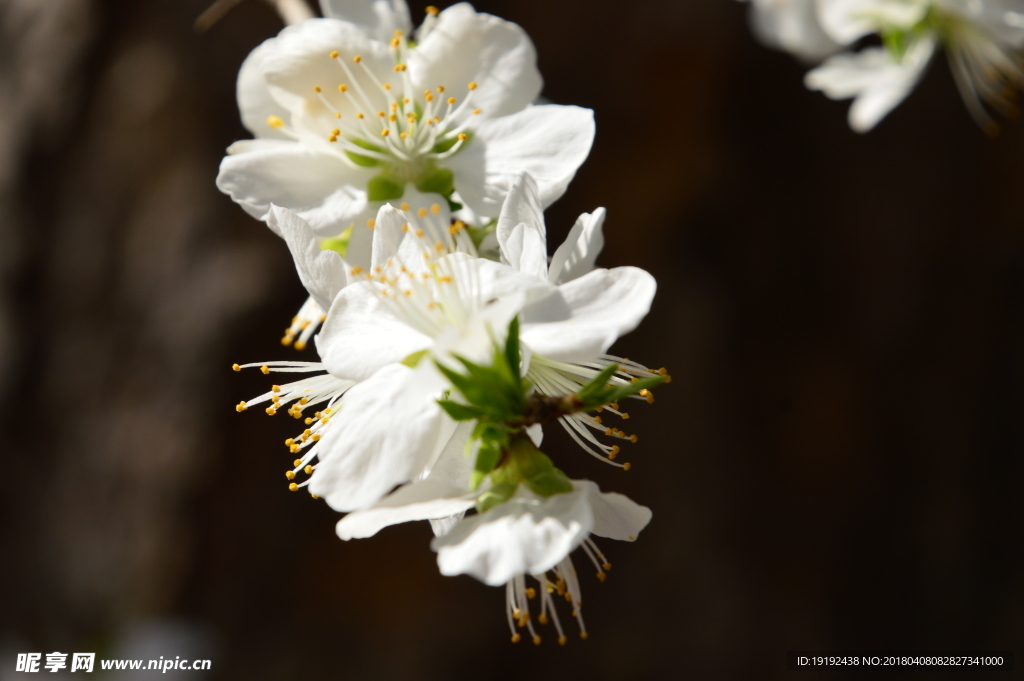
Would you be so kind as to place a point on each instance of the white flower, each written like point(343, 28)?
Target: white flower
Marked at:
point(533, 536)
point(565, 336)
point(347, 116)
point(982, 39)
point(370, 395)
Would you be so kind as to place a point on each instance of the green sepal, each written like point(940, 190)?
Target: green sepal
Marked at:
point(438, 181)
point(487, 457)
point(453, 205)
point(338, 244)
point(413, 359)
point(597, 385)
point(618, 392)
point(498, 494)
point(384, 188)
point(550, 483)
point(446, 144)
point(512, 353)
point(360, 160)
point(460, 412)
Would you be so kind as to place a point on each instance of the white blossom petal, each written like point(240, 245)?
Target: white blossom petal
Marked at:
point(256, 104)
point(522, 237)
point(320, 188)
point(361, 335)
point(321, 272)
point(586, 315)
point(616, 516)
point(526, 535)
point(578, 253)
point(424, 500)
point(379, 18)
point(465, 46)
point(363, 455)
point(548, 141)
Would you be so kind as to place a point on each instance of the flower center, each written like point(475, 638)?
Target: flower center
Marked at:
point(386, 123)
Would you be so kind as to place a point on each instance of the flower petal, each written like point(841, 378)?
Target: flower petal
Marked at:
point(522, 237)
point(384, 433)
point(424, 500)
point(874, 77)
point(586, 315)
point(317, 186)
point(255, 101)
point(379, 18)
point(465, 46)
point(616, 516)
point(791, 25)
point(361, 335)
point(299, 60)
point(321, 272)
point(577, 254)
point(549, 141)
point(526, 535)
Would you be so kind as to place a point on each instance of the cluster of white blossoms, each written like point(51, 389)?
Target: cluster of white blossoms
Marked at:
point(407, 172)
point(983, 40)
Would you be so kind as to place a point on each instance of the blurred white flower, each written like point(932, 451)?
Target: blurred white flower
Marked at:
point(982, 38)
point(348, 116)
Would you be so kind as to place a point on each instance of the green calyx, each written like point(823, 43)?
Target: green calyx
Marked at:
point(523, 463)
point(338, 244)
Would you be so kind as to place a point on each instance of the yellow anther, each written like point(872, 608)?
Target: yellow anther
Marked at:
point(422, 212)
point(275, 388)
point(303, 400)
point(650, 399)
point(295, 449)
point(395, 42)
point(626, 466)
point(290, 475)
point(432, 11)
point(524, 619)
point(435, 208)
point(400, 67)
point(597, 419)
point(289, 442)
point(240, 407)
point(297, 463)
point(308, 470)
point(307, 432)
point(583, 635)
point(286, 341)
point(316, 437)
point(536, 640)
point(275, 121)
point(360, 116)
point(308, 420)
point(602, 576)
point(444, 279)
point(614, 405)
point(385, 132)
point(316, 88)
point(332, 138)
point(265, 369)
point(531, 592)
point(615, 450)
point(293, 487)
point(542, 618)
point(608, 431)
point(440, 89)
point(606, 566)
point(472, 85)
point(645, 392)
point(439, 246)
point(356, 270)
point(662, 371)
point(562, 640)
point(271, 411)
point(315, 496)
point(429, 97)
point(236, 367)
point(476, 111)
point(387, 86)
point(516, 638)
point(405, 100)
point(625, 415)
point(399, 33)
point(357, 58)
point(452, 100)
point(392, 118)
point(328, 411)
point(371, 223)
point(407, 292)
point(343, 88)
point(633, 438)
point(463, 137)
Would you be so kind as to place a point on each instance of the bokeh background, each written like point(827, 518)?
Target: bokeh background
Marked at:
point(836, 464)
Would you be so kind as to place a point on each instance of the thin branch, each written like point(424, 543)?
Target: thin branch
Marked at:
point(291, 12)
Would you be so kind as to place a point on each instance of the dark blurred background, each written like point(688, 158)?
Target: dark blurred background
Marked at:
point(836, 464)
